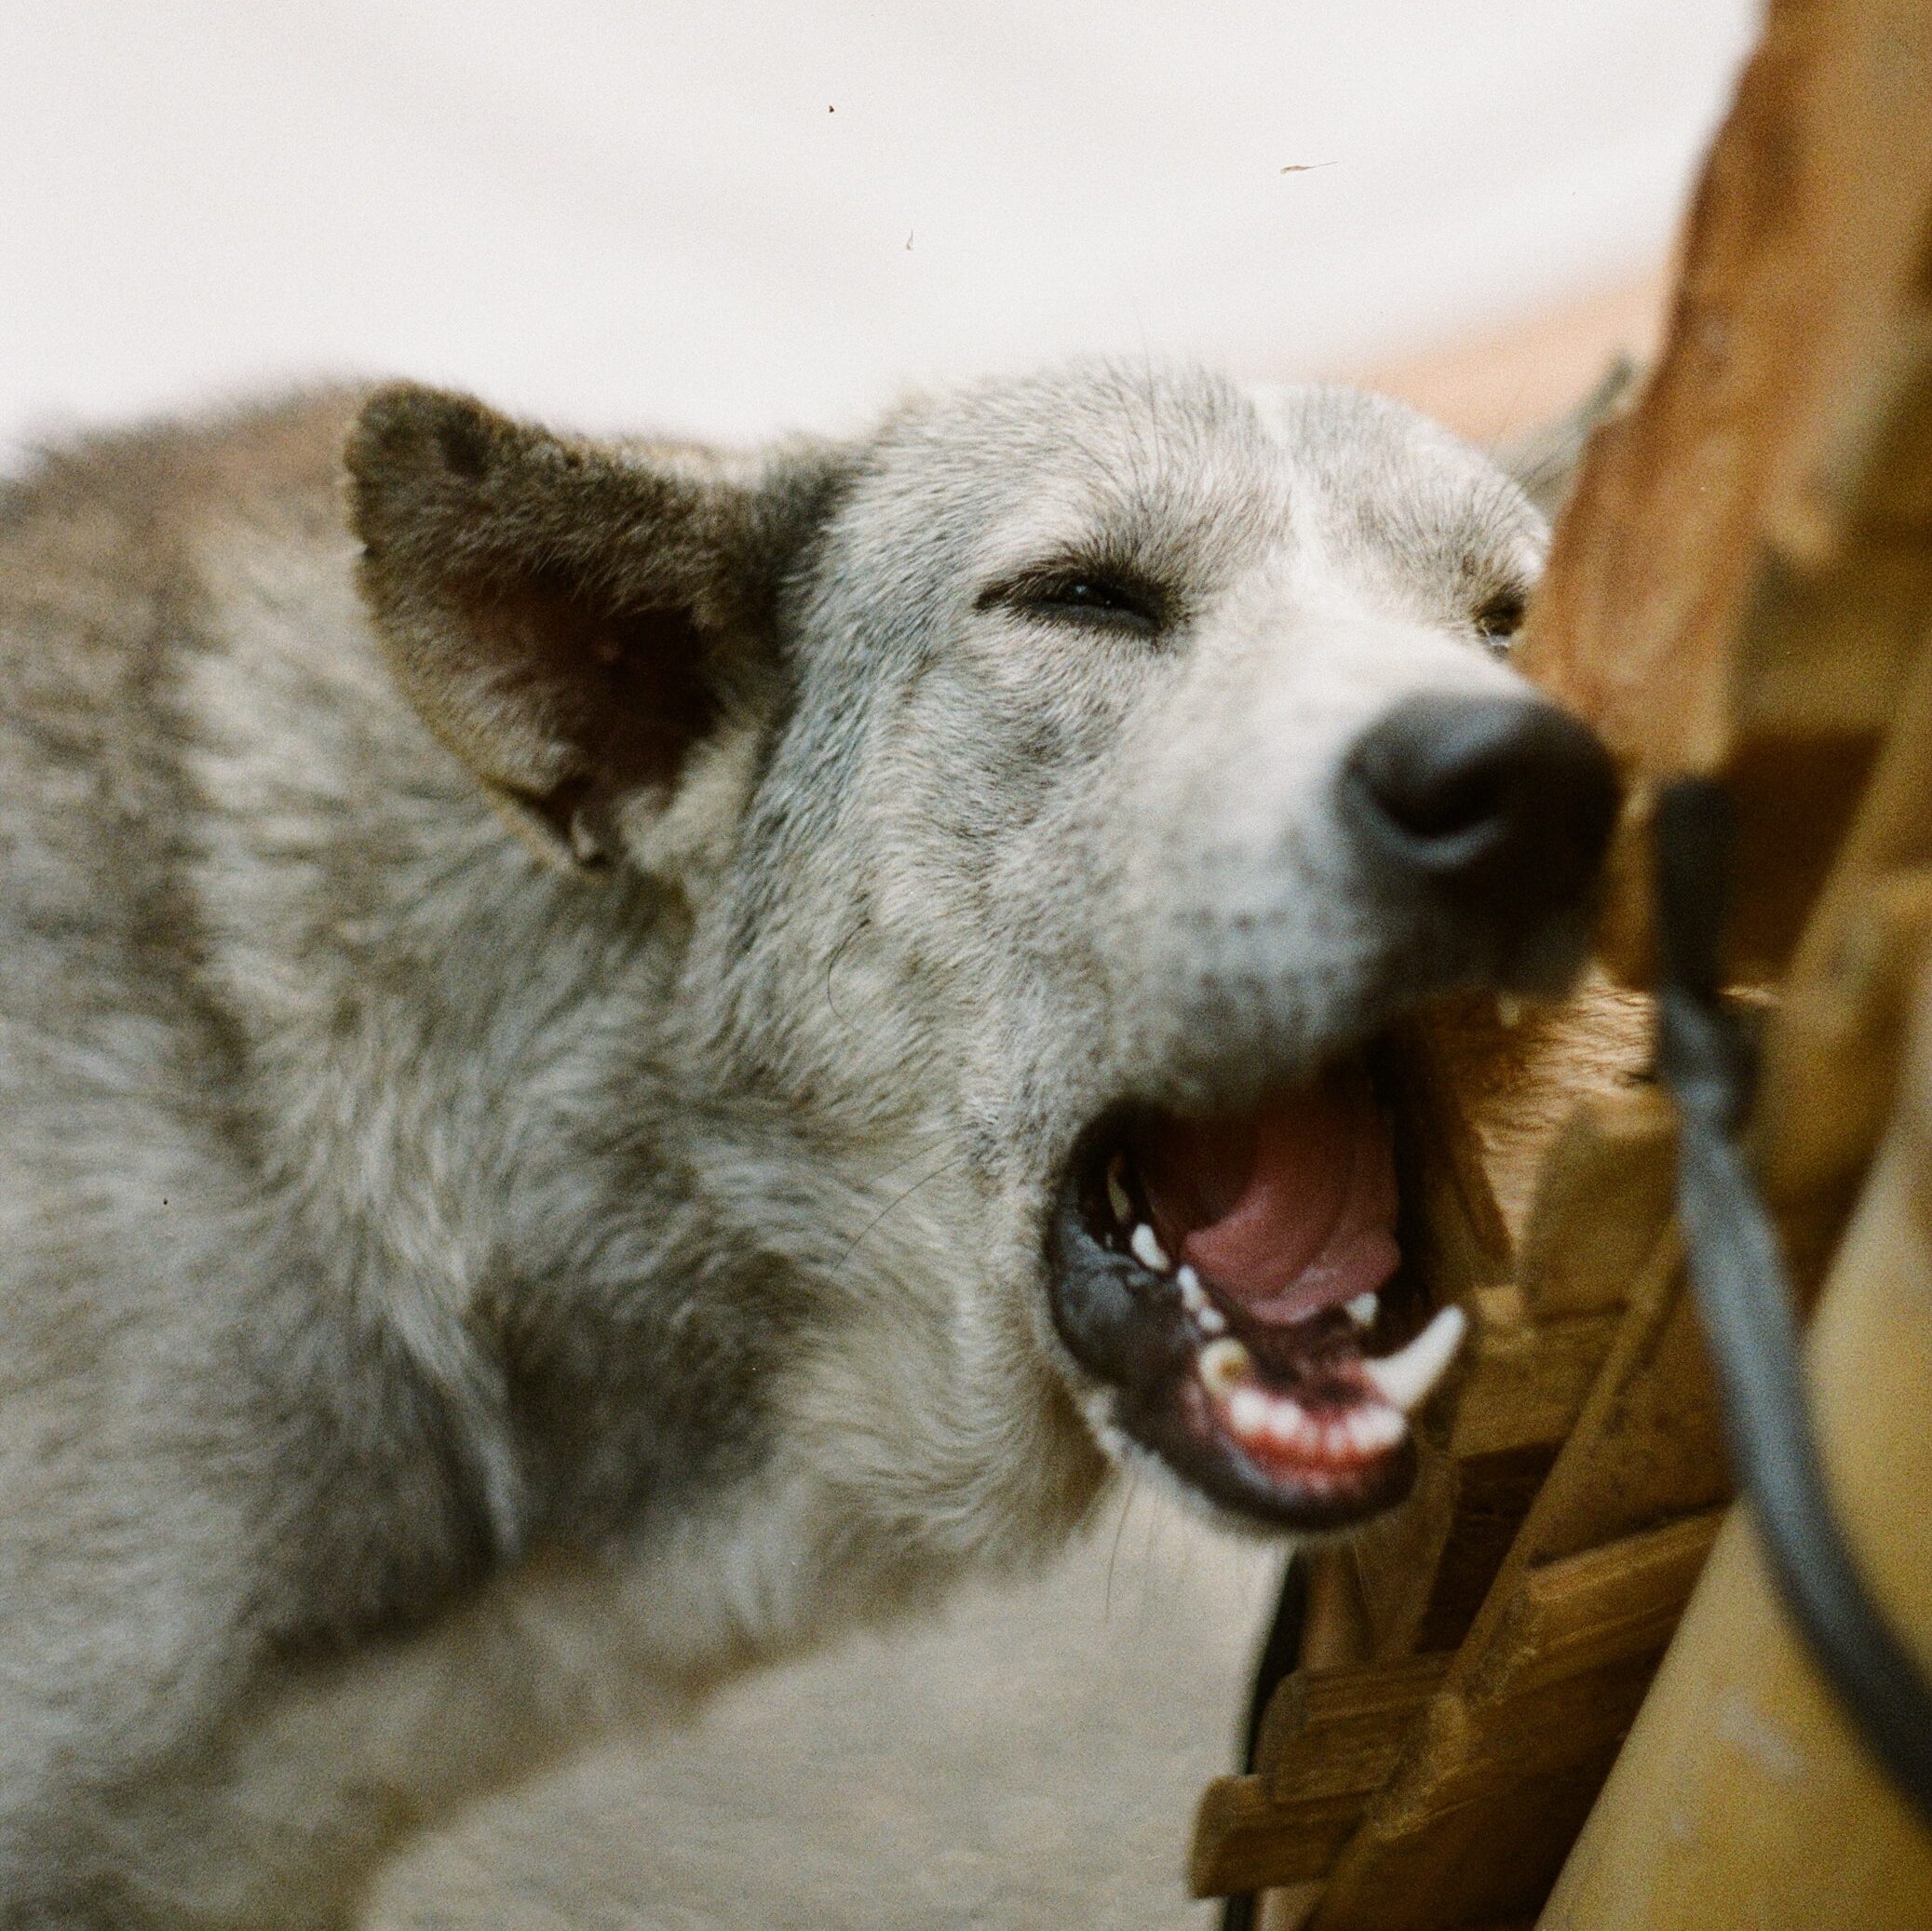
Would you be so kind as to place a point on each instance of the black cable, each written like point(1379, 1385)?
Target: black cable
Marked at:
point(1737, 1274)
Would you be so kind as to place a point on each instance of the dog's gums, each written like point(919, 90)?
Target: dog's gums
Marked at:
point(1234, 1284)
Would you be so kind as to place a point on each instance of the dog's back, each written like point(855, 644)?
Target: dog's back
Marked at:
point(200, 1452)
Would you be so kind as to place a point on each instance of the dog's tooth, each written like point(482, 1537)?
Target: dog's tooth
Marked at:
point(1248, 1410)
point(1194, 1298)
point(1375, 1425)
point(1510, 1009)
point(1288, 1421)
point(1363, 1309)
point(1118, 1198)
point(1223, 1364)
point(1403, 1380)
point(1148, 1251)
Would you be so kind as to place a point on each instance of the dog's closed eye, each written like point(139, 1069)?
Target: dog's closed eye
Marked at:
point(1098, 596)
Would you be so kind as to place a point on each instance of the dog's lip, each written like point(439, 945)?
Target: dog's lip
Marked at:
point(1292, 1409)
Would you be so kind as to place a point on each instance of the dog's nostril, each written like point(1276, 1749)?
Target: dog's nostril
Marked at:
point(1489, 797)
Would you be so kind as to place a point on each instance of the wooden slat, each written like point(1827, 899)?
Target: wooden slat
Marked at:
point(1494, 1098)
point(1327, 1743)
point(1327, 1732)
point(1486, 1108)
point(1245, 1840)
point(1526, 1381)
point(1559, 1681)
point(1605, 1189)
point(1447, 1839)
point(1507, 1758)
point(1734, 584)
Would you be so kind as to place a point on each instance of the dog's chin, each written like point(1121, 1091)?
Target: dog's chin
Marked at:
point(1231, 1291)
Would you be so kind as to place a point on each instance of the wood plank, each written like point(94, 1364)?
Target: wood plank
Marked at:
point(1525, 1381)
point(1331, 1732)
point(1245, 1840)
point(1605, 1190)
point(1733, 583)
point(1492, 1098)
point(1560, 1681)
point(1501, 1769)
point(1596, 1609)
point(1490, 1792)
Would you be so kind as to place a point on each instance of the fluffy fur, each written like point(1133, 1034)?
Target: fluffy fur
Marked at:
point(545, 989)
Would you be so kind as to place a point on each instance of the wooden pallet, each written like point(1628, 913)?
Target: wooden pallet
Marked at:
point(1740, 587)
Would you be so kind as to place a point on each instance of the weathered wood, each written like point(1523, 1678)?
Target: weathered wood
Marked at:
point(1606, 1187)
point(1589, 1611)
point(1327, 1732)
point(1326, 1744)
point(1492, 1099)
point(1736, 584)
point(1245, 1840)
point(1832, 1049)
point(1423, 1572)
point(1486, 1107)
point(1525, 1381)
point(1503, 1764)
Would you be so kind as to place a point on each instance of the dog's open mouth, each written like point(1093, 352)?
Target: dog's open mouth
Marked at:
point(1236, 1282)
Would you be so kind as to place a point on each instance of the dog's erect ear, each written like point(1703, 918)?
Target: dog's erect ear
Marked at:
point(578, 622)
point(1546, 461)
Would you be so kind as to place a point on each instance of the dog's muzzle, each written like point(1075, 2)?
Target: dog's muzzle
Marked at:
point(1233, 1281)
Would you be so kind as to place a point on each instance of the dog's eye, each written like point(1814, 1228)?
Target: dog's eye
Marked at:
point(1091, 597)
point(1500, 617)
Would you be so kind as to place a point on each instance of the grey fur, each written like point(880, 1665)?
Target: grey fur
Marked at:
point(467, 1285)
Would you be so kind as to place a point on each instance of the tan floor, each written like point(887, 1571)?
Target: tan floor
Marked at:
point(1034, 1759)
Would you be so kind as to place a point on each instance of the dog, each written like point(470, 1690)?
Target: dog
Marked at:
point(617, 1055)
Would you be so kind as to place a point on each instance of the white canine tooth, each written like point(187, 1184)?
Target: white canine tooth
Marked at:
point(1510, 1009)
point(1223, 1364)
point(1118, 1195)
point(1194, 1298)
point(1375, 1425)
point(1148, 1251)
point(1248, 1410)
point(1363, 1309)
point(1403, 1380)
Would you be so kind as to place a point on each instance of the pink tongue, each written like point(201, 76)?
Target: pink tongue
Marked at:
point(1285, 1211)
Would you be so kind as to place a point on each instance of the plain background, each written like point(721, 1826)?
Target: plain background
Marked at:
point(728, 219)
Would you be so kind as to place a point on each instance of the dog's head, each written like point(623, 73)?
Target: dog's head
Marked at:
point(1060, 791)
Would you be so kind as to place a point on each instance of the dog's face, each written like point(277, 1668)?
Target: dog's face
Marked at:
point(1062, 789)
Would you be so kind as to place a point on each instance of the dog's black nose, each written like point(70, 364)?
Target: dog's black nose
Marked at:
point(1493, 802)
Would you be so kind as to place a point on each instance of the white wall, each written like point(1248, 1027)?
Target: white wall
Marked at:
point(756, 212)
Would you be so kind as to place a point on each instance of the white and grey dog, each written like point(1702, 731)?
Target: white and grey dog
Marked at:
point(612, 1057)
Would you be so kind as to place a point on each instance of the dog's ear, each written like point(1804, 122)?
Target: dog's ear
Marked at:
point(580, 624)
point(1545, 460)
